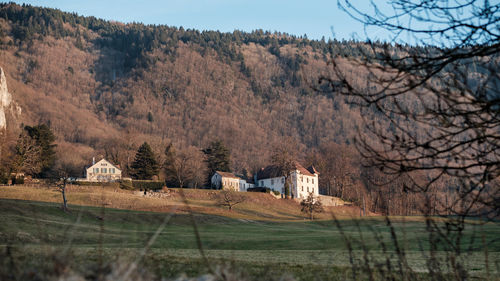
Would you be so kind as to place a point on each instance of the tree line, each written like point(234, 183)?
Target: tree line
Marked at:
point(34, 154)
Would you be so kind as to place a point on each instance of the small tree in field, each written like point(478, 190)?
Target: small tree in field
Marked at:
point(65, 167)
point(311, 206)
point(229, 198)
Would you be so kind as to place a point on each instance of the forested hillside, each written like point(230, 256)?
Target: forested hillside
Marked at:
point(106, 87)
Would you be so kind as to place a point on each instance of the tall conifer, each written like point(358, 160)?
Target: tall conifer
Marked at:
point(145, 165)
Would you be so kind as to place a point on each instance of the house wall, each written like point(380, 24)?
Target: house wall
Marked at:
point(216, 181)
point(276, 184)
point(301, 185)
point(305, 185)
point(231, 183)
point(236, 184)
point(244, 185)
point(103, 171)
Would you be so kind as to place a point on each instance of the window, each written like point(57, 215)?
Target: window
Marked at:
point(313, 189)
point(282, 180)
point(104, 170)
point(308, 189)
point(302, 188)
point(307, 180)
point(261, 183)
point(301, 178)
point(112, 170)
point(96, 170)
point(272, 182)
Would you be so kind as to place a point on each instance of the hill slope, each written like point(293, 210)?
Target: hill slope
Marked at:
point(105, 85)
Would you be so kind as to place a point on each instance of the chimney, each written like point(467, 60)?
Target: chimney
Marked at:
point(93, 160)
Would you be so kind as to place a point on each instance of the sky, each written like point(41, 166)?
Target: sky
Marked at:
point(315, 18)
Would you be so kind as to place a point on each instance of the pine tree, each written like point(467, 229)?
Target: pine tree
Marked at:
point(145, 165)
point(169, 166)
point(217, 158)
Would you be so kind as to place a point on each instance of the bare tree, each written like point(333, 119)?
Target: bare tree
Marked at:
point(435, 108)
point(310, 205)
point(283, 158)
point(28, 155)
point(66, 167)
point(184, 166)
point(430, 111)
point(229, 198)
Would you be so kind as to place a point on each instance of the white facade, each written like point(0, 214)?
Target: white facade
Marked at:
point(103, 171)
point(225, 180)
point(244, 185)
point(302, 182)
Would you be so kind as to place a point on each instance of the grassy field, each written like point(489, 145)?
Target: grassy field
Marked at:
point(258, 206)
point(39, 234)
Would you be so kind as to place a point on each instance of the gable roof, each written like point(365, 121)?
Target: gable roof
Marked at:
point(227, 175)
point(273, 171)
point(107, 162)
point(303, 170)
point(312, 170)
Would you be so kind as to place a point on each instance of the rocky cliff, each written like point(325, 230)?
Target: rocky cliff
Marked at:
point(7, 105)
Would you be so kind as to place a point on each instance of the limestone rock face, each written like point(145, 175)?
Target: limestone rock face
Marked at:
point(6, 103)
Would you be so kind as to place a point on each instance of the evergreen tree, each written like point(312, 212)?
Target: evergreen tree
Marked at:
point(169, 166)
point(217, 158)
point(145, 165)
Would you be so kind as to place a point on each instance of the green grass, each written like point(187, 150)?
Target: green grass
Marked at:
point(38, 230)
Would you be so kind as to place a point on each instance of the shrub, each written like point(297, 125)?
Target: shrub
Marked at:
point(90, 183)
point(4, 179)
point(147, 185)
point(259, 189)
point(126, 184)
point(276, 192)
point(17, 180)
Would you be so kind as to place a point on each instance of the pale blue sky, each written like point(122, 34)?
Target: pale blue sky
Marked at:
point(314, 17)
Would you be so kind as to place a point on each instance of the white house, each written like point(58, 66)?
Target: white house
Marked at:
point(303, 181)
point(103, 171)
point(226, 180)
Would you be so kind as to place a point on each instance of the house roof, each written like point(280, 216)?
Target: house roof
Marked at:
point(303, 170)
point(273, 171)
point(312, 170)
point(227, 175)
point(107, 162)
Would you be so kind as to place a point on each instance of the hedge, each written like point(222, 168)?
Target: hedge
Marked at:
point(4, 179)
point(90, 183)
point(17, 180)
point(147, 185)
point(127, 184)
point(259, 189)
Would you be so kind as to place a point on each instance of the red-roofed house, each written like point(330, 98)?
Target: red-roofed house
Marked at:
point(304, 181)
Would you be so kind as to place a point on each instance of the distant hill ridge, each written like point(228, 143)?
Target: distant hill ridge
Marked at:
point(105, 87)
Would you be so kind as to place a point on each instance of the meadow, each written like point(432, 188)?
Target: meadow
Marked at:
point(251, 245)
